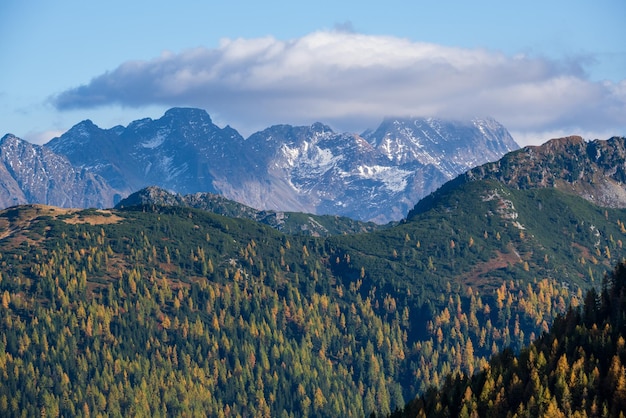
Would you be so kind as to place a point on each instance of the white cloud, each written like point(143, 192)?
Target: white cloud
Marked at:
point(41, 137)
point(352, 81)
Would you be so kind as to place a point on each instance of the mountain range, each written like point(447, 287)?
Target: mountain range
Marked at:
point(159, 306)
point(375, 176)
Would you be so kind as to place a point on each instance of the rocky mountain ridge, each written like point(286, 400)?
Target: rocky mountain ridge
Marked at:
point(377, 176)
point(287, 222)
point(594, 170)
point(182, 151)
point(31, 173)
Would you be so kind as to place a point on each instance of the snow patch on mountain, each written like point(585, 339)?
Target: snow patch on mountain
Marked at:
point(378, 175)
point(291, 156)
point(34, 174)
point(156, 141)
point(394, 179)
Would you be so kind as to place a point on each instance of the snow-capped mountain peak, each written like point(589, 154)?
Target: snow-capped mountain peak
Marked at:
point(378, 175)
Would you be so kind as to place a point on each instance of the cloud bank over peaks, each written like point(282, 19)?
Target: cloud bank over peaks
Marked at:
point(352, 80)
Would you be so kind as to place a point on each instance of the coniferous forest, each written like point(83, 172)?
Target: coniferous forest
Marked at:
point(166, 310)
point(575, 370)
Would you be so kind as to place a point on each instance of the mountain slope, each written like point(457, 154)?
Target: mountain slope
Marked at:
point(182, 151)
point(33, 174)
point(594, 170)
point(451, 146)
point(174, 309)
point(577, 369)
point(336, 326)
point(375, 177)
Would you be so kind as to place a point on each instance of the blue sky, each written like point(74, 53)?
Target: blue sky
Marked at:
point(543, 69)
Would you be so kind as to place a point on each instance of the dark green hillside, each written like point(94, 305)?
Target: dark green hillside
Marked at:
point(544, 227)
point(484, 267)
point(482, 233)
point(177, 312)
point(170, 310)
point(577, 369)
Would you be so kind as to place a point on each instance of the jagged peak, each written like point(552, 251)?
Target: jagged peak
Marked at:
point(293, 134)
point(155, 192)
point(87, 123)
point(138, 123)
point(12, 140)
point(148, 196)
point(187, 113)
point(183, 116)
point(392, 125)
point(316, 126)
point(320, 127)
point(83, 129)
point(8, 137)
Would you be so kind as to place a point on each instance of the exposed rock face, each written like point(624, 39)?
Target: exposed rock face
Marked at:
point(182, 151)
point(451, 146)
point(34, 174)
point(594, 170)
point(376, 176)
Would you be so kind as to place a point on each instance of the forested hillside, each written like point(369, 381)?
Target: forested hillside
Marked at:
point(577, 369)
point(157, 310)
